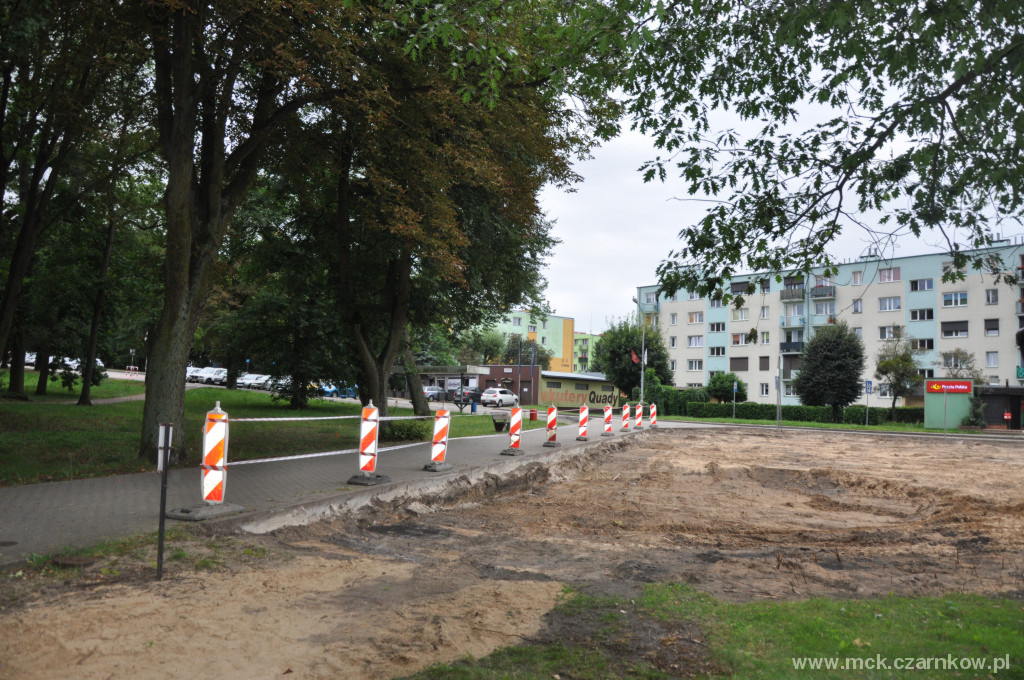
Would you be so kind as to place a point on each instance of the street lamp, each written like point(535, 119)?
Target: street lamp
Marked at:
point(643, 346)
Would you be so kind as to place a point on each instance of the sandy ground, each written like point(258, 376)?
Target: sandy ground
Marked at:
point(742, 514)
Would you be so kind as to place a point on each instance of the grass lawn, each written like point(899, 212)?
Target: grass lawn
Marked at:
point(708, 638)
point(52, 438)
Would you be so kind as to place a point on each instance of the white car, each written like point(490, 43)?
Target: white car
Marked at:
point(498, 396)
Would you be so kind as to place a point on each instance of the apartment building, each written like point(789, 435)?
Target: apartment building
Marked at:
point(556, 333)
point(762, 341)
point(583, 345)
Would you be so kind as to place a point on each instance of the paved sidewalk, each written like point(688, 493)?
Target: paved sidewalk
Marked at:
point(46, 518)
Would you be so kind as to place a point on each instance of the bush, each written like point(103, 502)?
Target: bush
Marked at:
point(406, 430)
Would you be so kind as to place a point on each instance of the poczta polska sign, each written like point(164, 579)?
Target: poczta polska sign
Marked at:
point(947, 387)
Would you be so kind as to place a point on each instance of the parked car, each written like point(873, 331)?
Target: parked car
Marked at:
point(498, 396)
point(249, 380)
point(466, 395)
point(433, 393)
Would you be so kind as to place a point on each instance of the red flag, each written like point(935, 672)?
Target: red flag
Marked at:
point(636, 359)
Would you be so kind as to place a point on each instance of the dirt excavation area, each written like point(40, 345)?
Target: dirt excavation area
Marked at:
point(741, 513)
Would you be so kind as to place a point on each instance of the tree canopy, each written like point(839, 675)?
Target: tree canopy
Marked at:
point(613, 356)
point(895, 118)
point(831, 368)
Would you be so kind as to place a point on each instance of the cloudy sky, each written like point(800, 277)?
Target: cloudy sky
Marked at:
point(615, 230)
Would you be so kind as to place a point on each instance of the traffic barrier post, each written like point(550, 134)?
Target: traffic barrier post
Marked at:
point(607, 422)
point(515, 429)
point(552, 427)
point(442, 423)
point(368, 435)
point(584, 416)
point(215, 455)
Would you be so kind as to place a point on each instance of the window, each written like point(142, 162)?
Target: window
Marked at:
point(672, 318)
point(886, 332)
point(922, 314)
point(954, 329)
point(695, 317)
point(764, 312)
point(922, 284)
point(991, 327)
point(889, 275)
point(889, 304)
point(992, 359)
point(765, 338)
point(516, 321)
point(739, 339)
point(859, 332)
point(672, 364)
point(857, 278)
point(991, 296)
point(716, 351)
point(694, 341)
point(531, 328)
point(672, 341)
point(825, 307)
point(740, 314)
point(716, 327)
point(739, 364)
point(926, 372)
point(955, 299)
point(716, 304)
point(693, 295)
point(858, 306)
point(764, 363)
point(922, 343)
point(764, 389)
point(695, 365)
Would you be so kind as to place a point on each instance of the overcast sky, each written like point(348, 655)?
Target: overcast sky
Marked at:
point(615, 230)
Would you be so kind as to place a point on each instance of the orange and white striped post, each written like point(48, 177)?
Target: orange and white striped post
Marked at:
point(625, 417)
point(515, 429)
point(215, 455)
point(552, 426)
point(368, 434)
point(639, 417)
point(442, 423)
point(654, 415)
point(607, 421)
point(584, 417)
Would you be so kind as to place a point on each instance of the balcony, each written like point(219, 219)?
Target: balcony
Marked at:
point(823, 292)
point(792, 321)
point(822, 319)
point(791, 347)
point(792, 294)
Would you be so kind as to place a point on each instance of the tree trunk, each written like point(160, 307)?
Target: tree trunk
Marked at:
point(412, 380)
point(89, 359)
point(43, 367)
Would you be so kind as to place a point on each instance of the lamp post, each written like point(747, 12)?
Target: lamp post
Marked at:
point(643, 346)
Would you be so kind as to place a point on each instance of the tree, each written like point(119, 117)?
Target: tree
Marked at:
point(960, 363)
point(613, 356)
point(519, 350)
point(912, 111)
point(720, 387)
point(831, 368)
point(896, 366)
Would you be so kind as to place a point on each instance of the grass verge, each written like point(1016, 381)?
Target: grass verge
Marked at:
point(673, 631)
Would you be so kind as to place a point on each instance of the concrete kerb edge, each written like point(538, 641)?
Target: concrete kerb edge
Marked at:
point(300, 514)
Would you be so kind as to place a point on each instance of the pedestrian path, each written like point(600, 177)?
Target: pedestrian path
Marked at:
point(39, 519)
